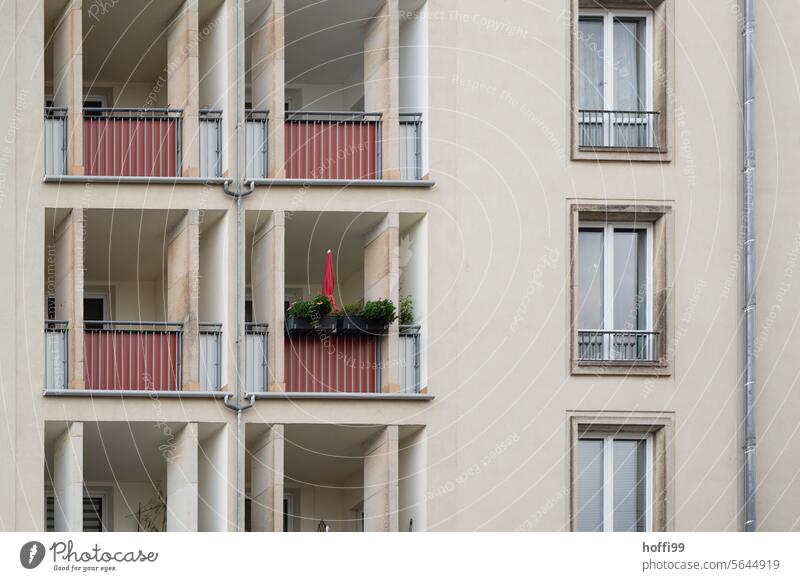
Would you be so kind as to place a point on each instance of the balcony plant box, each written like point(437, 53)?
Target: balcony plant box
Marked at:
point(306, 317)
point(361, 325)
point(296, 325)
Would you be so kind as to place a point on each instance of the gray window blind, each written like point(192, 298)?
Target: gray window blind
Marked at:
point(629, 485)
point(92, 514)
point(590, 485)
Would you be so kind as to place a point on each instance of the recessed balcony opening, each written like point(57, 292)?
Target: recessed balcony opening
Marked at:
point(135, 477)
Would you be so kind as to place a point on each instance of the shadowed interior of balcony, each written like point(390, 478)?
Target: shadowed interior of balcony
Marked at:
point(336, 478)
point(124, 300)
point(138, 110)
point(135, 476)
point(334, 121)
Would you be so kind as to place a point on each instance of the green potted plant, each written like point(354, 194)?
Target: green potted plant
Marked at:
point(311, 316)
point(406, 310)
point(373, 317)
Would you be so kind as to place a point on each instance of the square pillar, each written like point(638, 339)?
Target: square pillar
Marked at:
point(182, 481)
point(381, 492)
point(69, 291)
point(68, 79)
point(267, 281)
point(183, 73)
point(382, 82)
point(68, 479)
point(382, 281)
point(183, 289)
point(266, 482)
point(267, 81)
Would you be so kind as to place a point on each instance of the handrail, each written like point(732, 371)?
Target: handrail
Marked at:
point(133, 323)
point(344, 116)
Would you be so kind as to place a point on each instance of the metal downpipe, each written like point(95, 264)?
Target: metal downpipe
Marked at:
point(748, 218)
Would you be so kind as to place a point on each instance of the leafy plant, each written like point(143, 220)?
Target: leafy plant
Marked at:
point(382, 310)
point(312, 310)
point(351, 310)
point(406, 310)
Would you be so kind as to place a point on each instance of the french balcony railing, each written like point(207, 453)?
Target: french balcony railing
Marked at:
point(55, 354)
point(210, 356)
point(409, 360)
point(333, 145)
point(210, 143)
point(411, 146)
point(623, 346)
point(256, 132)
point(255, 341)
point(55, 141)
point(132, 142)
point(320, 363)
point(132, 355)
point(618, 129)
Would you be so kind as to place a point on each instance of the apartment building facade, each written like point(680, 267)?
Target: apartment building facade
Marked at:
point(557, 187)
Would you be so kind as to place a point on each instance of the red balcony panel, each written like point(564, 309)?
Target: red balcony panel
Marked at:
point(340, 364)
point(325, 149)
point(131, 146)
point(132, 360)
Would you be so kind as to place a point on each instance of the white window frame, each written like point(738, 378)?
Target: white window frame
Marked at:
point(608, 269)
point(608, 17)
point(608, 473)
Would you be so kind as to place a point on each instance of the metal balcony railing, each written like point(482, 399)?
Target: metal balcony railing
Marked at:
point(132, 142)
point(410, 146)
point(255, 340)
point(210, 356)
point(133, 355)
point(210, 143)
point(333, 145)
point(619, 129)
point(55, 141)
point(55, 354)
point(333, 363)
point(629, 346)
point(409, 361)
point(256, 140)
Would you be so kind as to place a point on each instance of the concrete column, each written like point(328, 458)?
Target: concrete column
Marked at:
point(68, 79)
point(69, 291)
point(382, 81)
point(68, 479)
point(267, 80)
point(183, 287)
point(266, 482)
point(182, 481)
point(381, 494)
point(267, 281)
point(382, 281)
point(183, 73)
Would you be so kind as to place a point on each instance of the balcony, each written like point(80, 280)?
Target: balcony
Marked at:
point(256, 143)
point(128, 355)
point(618, 346)
point(210, 143)
point(132, 142)
point(333, 145)
point(55, 141)
point(55, 354)
point(409, 359)
point(411, 146)
point(210, 356)
point(618, 129)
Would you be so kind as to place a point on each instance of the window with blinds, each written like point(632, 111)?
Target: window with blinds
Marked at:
point(92, 514)
point(613, 481)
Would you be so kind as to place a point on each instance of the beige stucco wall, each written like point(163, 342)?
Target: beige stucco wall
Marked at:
point(498, 310)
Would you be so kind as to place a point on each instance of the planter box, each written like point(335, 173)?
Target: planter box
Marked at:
point(359, 325)
point(298, 326)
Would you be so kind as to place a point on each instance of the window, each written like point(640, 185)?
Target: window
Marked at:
point(93, 513)
point(615, 79)
point(614, 482)
point(615, 280)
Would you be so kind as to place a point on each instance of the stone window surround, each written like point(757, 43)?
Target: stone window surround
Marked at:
point(660, 215)
point(662, 427)
point(663, 80)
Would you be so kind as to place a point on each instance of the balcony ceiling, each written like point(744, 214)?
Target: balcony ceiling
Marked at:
point(127, 245)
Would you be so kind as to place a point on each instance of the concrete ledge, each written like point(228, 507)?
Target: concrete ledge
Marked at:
point(343, 396)
point(133, 180)
point(177, 181)
point(135, 393)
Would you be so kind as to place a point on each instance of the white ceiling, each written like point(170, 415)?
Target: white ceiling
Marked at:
point(309, 235)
